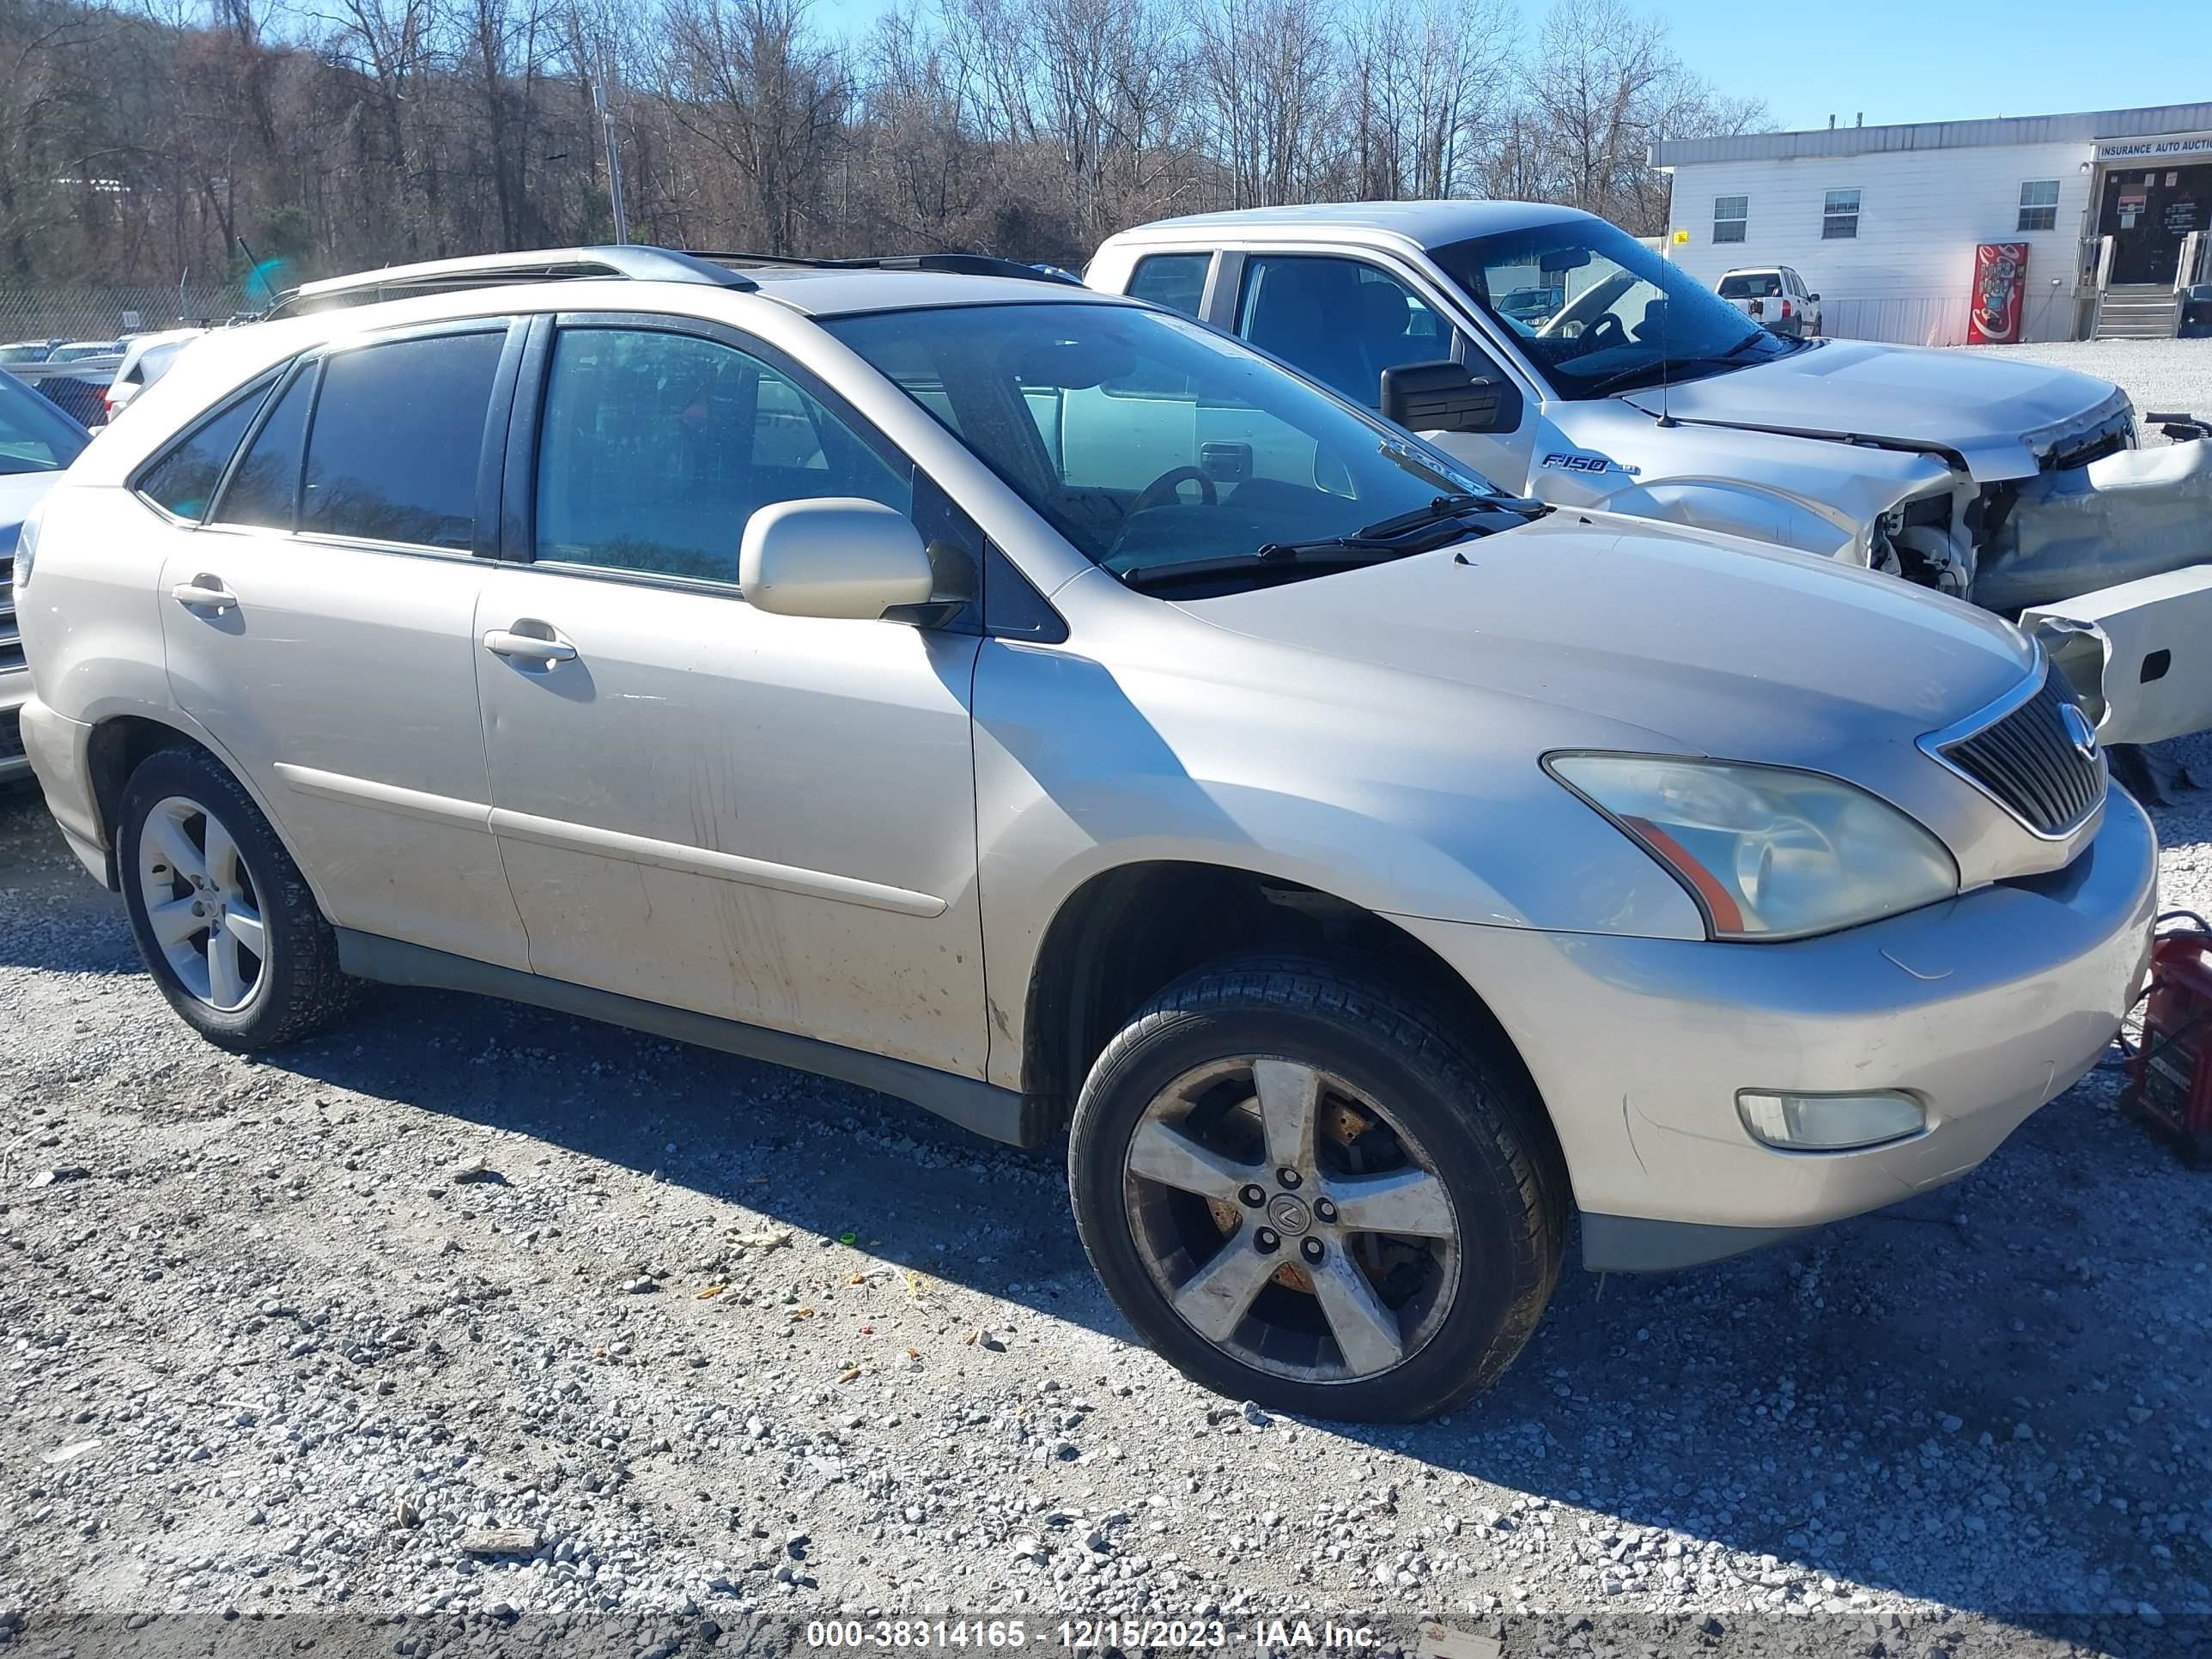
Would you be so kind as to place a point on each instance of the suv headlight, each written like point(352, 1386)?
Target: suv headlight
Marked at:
point(1768, 853)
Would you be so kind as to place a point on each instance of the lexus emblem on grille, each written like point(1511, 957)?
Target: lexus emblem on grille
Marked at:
point(2078, 728)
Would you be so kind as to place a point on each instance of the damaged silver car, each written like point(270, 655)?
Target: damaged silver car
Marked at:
point(1561, 357)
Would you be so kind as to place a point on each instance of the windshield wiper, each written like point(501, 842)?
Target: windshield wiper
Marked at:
point(1446, 519)
point(1649, 374)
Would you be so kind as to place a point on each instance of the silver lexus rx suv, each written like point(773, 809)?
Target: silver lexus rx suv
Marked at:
point(1036, 704)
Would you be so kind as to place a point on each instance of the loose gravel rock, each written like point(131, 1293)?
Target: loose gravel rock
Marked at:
point(484, 1323)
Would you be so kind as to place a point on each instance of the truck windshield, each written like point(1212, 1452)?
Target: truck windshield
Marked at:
point(1596, 312)
point(1150, 442)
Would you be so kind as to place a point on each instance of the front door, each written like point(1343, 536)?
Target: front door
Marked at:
point(766, 818)
point(2149, 212)
point(1344, 321)
point(318, 625)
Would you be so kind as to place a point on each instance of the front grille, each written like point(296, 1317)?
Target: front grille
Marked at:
point(2029, 762)
point(11, 636)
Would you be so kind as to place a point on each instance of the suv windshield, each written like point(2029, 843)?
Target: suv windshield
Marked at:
point(35, 435)
point(1596, 312)
point(1150, 442)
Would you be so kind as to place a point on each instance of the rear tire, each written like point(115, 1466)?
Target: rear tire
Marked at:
point(1178, 1179)
point(223, 917)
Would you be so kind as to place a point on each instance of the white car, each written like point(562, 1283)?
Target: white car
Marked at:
point(146, 358)
point(1775, 297)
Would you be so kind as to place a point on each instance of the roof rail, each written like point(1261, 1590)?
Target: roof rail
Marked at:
point(635, 263)
point(962, 264)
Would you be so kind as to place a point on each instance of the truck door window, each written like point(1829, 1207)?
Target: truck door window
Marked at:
point(1177, 281)
point(1343, 321)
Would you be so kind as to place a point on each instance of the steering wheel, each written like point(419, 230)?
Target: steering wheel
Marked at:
point(1162, 489)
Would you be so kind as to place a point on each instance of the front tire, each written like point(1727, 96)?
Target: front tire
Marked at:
point(223, 917)
point(1302, 1190)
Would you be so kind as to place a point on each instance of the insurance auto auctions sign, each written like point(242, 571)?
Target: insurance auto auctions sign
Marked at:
point(2144, 149)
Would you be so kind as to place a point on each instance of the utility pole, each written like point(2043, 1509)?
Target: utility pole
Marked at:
point(602, 95)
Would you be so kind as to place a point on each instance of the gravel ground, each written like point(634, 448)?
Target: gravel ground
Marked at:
point(719, 1344)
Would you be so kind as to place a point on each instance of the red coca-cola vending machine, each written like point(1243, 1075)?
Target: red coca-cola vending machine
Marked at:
point(2000, 284)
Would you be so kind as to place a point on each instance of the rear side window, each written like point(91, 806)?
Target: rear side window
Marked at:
point(1177, 281)
point(183, 481)
point(398, 441)
point(265, 487)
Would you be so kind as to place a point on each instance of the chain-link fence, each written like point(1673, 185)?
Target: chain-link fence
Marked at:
point(39, 314)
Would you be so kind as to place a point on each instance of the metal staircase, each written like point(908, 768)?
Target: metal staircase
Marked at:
point(2138, 311)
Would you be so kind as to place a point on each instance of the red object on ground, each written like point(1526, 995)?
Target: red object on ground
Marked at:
point(2000, 284)
point(2170, 1077)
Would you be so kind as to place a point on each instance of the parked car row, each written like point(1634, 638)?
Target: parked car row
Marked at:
point(1055, 708)
point(92, 380)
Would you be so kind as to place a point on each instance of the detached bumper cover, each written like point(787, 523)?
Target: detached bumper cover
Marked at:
point(1983, 1007)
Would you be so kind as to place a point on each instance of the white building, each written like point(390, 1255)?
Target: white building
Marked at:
point(1882, 222)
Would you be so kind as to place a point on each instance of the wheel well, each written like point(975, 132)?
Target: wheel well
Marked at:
point(117, 747)
point(1126, 934)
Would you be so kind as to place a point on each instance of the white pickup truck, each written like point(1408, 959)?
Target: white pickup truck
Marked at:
point(1562, 359)
point(1773, 296)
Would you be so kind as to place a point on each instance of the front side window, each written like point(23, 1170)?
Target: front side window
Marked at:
point(1343, 321)
point(398, 441)
point(1177, 281)
point(2038, 204)
point(655, 448)
point(1237, 458)
point(1730, 215)
point(1840, 215)
point(1596, 312)
point(183, 481)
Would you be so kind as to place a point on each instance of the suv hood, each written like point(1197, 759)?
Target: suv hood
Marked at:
point(1709, 645)
point(2002, 415)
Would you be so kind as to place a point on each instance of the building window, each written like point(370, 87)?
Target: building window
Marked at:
point(1840, 215)
point(1729, 213)
point(2038, 204)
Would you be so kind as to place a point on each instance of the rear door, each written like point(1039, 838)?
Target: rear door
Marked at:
point(318, 625)
point(766, 818)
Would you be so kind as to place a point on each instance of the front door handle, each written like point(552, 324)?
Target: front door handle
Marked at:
point(204, 593)
point(530, 647)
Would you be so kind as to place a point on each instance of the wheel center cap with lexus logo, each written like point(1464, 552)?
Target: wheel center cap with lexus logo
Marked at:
point(2078, 728)
point(1289, 1213)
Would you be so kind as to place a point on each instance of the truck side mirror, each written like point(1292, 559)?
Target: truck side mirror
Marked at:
point(1446, 397)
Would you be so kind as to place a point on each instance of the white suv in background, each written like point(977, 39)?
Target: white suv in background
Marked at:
point(1775, 297)
point(1046, 709)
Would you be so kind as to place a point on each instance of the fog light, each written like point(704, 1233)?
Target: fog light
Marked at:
point(1829, 1124)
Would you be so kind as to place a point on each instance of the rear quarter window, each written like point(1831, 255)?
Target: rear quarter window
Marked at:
point(182, 480)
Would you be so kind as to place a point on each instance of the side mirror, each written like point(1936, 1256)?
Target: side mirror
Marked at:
point(1449, 398)
point(838, 557)
point(1814, 298)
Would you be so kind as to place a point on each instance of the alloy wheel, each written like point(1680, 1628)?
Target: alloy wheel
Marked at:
point(1290, 1221)
point(200, 905)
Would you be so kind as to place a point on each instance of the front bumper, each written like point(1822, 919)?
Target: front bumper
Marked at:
point(1984, 1006)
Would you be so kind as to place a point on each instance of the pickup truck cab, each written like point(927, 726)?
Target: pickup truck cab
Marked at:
point(1562, 360)
point(1775, 297)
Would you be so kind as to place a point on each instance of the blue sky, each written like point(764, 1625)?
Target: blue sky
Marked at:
point(1912, 60)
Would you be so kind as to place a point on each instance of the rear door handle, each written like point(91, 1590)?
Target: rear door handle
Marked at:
point(530, 647)
point(205, 594)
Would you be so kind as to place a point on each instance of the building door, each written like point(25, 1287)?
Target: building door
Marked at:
point(2149, 212)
